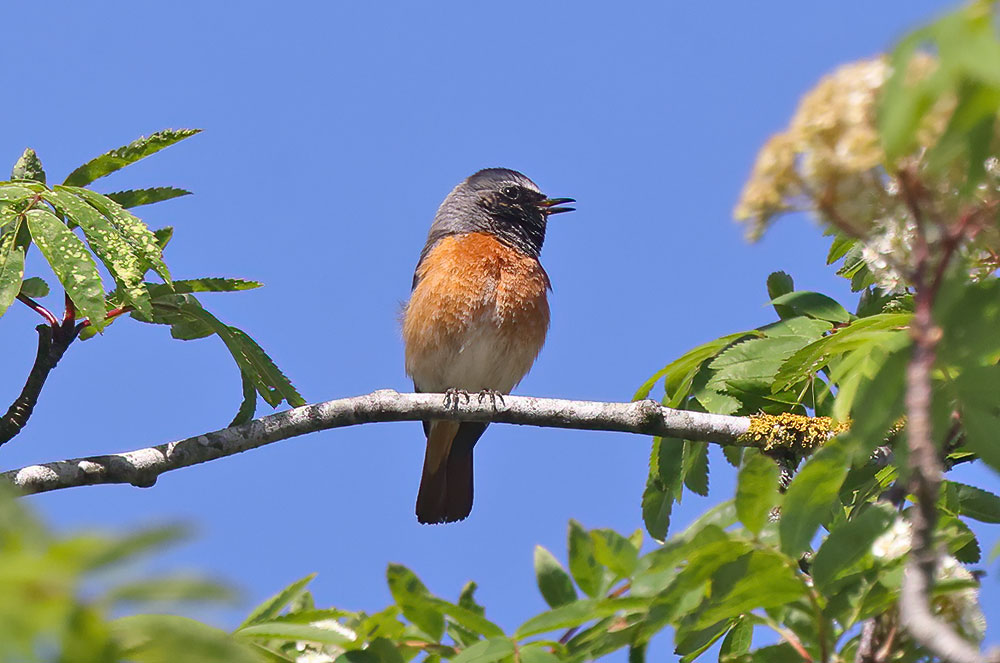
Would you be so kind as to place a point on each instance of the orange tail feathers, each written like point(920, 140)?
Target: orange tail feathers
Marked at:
point(445, 494)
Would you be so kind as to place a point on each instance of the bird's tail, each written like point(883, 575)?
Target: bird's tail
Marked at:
point(446, 484)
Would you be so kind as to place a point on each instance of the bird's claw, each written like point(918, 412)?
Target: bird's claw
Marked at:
point(453, 396)
point(493, 395)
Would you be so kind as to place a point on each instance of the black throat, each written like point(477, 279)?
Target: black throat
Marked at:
point(524, 232)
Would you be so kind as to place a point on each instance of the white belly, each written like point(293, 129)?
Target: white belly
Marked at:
point(485, 358)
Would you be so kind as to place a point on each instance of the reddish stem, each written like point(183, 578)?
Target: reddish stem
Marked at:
point(112, 314)
point(39, 309)
point(69, 316)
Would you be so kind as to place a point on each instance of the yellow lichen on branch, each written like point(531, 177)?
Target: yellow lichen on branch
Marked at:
point(793, 432)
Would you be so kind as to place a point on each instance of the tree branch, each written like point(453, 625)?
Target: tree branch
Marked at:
point(925, 480)
point(924, 464)
point(52, 344)
point(142, 466)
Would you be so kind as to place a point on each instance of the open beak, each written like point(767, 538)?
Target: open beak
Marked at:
point(550, 206)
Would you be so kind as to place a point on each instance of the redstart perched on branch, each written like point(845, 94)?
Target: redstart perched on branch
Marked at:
point(476, 319)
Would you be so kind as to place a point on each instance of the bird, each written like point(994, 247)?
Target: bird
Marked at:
point(476, 319)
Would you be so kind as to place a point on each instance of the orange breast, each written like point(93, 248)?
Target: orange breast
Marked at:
point(477, 317)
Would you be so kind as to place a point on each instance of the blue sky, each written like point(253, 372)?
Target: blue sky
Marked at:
point(332, 132)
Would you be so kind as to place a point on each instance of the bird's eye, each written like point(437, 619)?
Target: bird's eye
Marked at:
point(511, 192)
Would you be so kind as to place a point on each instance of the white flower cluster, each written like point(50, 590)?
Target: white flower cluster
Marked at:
point(890, 239)
point(895, 542)
point(830, 161)
point(960, 608)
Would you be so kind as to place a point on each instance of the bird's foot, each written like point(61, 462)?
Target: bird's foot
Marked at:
point(493, 395)
point(453, 396)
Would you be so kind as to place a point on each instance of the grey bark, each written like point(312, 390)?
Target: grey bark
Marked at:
point(141, 467)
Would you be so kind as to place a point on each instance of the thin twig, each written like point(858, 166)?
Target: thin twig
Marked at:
point(142, 466)
point(924, 463)
point(789, 637)
point(39, 309)
point(112, 314)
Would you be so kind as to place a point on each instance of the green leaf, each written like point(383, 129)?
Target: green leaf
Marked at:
point(34, 287)
point(902, 107)
point(759, 579)
point(248, 407)
point(590, 576)
point(280, 387)
point(721, 515)
point(693, 641)
point(117, 254)
point(969, 319)
point(163, 236)
point(28, 167)
point(811, 497)
point(467, 598)
point(208, 284)
point(667, 463)
point(850, 543)
point(385, 623)
point(856, 269)
point(308, 616)
point(966, 139)
point(143, 541)
point(553, 582)
point(783, 653)
point(13, 246)
point(885, 330)
point(959, 539)
point(977, 503)
point(71, 263)
point(812, 305)
point(977, 388)
point(857, 368)
point(379, 650)
point(274, 630)
point(136, 197)
point(270, 608)
point(125, 155)
point(177, 588)
point(657, 504)
point(737, 642)
point(142, 240)
point(270, 382)
point(695, 463)
point(754, 363)
point(14, 193)
point(614, 551)
point(539, 653)
point(839, 248)
point(407, 591)
point(168, 638)
point(470, 620)
point(679, 373)
point(576, 613)
point(185, 328)
point(487, 651)
point(778, 284)
point(879, 403)
point(757, 490)
point(708, 551)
